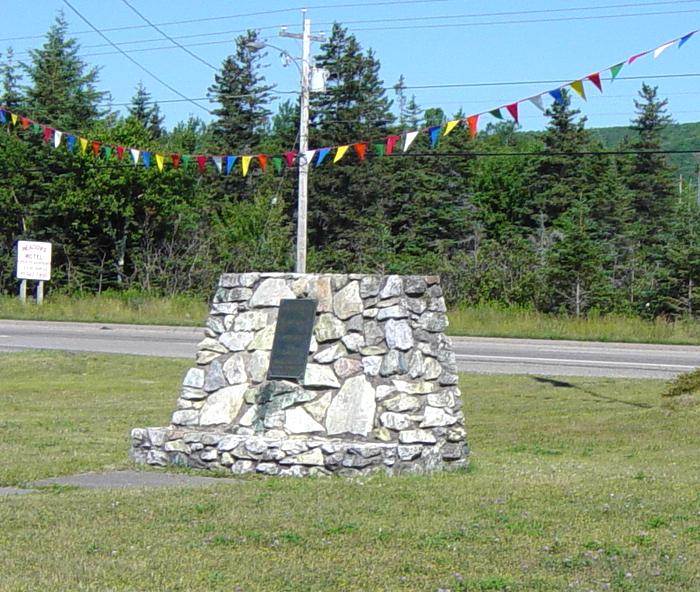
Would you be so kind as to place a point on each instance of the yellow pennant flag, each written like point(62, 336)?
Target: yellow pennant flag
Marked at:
point(159, 162)
point(245, 164)
point(83, 145)
point(577, 85)
point(340, 152)
point(14, 118)
point(450, 125)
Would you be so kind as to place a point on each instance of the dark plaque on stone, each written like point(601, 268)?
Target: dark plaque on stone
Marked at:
point(290, 349)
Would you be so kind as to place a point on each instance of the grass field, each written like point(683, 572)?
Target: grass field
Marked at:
point(575, 484)
point(485, 320)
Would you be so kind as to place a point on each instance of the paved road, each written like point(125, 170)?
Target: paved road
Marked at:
point(474, 354)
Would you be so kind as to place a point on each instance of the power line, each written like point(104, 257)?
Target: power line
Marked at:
point(169, 38)
point(132, 60)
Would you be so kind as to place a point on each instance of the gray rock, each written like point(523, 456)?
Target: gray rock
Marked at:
point(373, 350)
point(433, 321)
point(293, 447)
point(222, 406)
point(328, 328)
point(211, 344)
point(236, 340)
point(442, 399)
point(205, 357)
point(339, 280)
point(234, 370)
point(355, 324)
point(185, 417)
point(194, 378)
point(369, 313)
point(431, 368)
point(384, 391)
point(456, 434)
point(394, 362)
point(209, 454)
point(249, 417)
point(371, 365)
point(347, 302)
point(453, 451)
point(311, 457)
point(415, 364)
point(318, 407)
point(373, 333)
point(398, 311)
point(214, 378)
point(437, 305)
point(352, 409)
point(414, 284)
point(320, 290)
point(317, 375)
point(238, 294)
point(224, 308)
point(192, 394)
point(270, 292)
point(300, 286)
point(263, 339)
point(353, 341)
point(215, 323)
point(392, 287)
point(382, 434)
point(417, 436)
point(175, 446)
point(258, 365)
point(345, 367)
point(395, 421)
point(369, 286)
point(330, 354)
point(416, 305)
point(434, 291)
point(252, 320)
point(437, 417)
point(402, 403)
point(448, 379)
point(226, 459)
point(421, 387)
point(267, 468)
point(409, 452)
point(242, 466)
point(398, 335)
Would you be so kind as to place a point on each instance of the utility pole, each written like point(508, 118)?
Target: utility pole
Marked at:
point(302, 207)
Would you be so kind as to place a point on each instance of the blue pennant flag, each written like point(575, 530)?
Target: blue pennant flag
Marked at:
point(558, 97)
point(70, 142)
point(434, 133)
point(3, 117)
point(230, 161)
point(146, 156)
point(685, 38)
point(322, 153)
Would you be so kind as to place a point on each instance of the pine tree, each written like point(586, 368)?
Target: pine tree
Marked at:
point(146, 111)
point(240, 90)
point(11, 94)
point(62, 89)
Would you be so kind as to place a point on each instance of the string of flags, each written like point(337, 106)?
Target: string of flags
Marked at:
point(225, 164)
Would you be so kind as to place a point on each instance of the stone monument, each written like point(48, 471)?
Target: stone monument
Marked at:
point(303, 374)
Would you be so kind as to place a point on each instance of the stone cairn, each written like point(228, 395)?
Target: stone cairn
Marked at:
point(379, 391)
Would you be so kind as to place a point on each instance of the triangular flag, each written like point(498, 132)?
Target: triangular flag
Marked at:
point(13, 116)
point(96, 148)
point(662, 48)
point(186, 159)
point(537, 102)
point(408, 139)
point(473, 122)
point(434, 133)
point(230, 161)
point(262, 160)
point(289, 158)
point(557, 95)
point(685, 38)
point(577, 85)
point(340, 152)
point(450, 125)
point(57, 135)
point(201, 163)
point(25, 122)
point(277, 164)
point(379, 148)
point(595, 79)
point(120, 152)
point(70, 142)
point(245, 164)
point(496, 113)
point(146, 157)
point(48, 132)
point(135, 153)
point(175, 157)
point(309, 157)
point(3, 116)
point(218, 162)
point(83, 145)
point(107, 151)
point(513, 110)
point(322, 153)
point(160, 161)
point(360, 149)
point(634, 58)
point(391, 143)
point(615, 70)
point(36, 128)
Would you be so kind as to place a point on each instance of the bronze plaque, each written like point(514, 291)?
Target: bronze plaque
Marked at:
point(290, 348)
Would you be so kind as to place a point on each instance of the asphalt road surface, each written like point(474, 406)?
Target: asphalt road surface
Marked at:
point(474, 354)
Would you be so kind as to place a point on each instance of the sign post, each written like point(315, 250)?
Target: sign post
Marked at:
point(33, 263)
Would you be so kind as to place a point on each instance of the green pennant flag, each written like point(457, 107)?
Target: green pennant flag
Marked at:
point(107, 151)
point(277, 164)
point(380, 149)
point(36, 128)
point(615, 70)
point(186, 159)
point(496, 113)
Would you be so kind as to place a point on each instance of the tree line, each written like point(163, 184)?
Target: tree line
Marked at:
point(545, 220)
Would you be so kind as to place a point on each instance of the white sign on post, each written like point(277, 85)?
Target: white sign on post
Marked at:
point(33, 260)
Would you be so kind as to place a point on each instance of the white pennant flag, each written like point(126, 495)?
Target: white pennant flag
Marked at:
point(309, 156)
point(662, 48)
point(218, 162)
point(135, 153)
point(57, 135)
point(408, 139)
point(537, 102)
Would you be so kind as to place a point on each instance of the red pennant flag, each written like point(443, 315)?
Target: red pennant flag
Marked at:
point(595, 79)
point(48, 133)
point(289, 158)
point(473, 122)
point(25, 122)
point(120, 152)
point(96, 148)
point(634, 58)
point(262, 159)
point(202, 163)
point(513, 110)
point(360, 149)
point(390, 143)
point(176, 160)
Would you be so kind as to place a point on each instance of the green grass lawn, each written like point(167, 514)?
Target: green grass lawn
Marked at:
point(575, 484)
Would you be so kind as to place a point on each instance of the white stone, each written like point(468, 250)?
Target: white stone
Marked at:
point(258, 365)
point(442, 399)
point(317, 375)
point(222, 406)
point(416, 387)
point(206, 356)
point(320, 290)
point(299, 421)
point(249, 416)
point(185, 417)
point(194, 378)
point(192, 394)
point(354, 341)
point(398, 335)
point(236, 340)
point(395, 421)
point(345, 367)
point(415, 364)
point(416, 436)
point(330, 354)
point(311, 457)
point(210, 344)
point(252, 320)
point(263, 339)
point(328, 328)
point(371, 365)
point(437, 417)
point(229, 442)
point(347, 302)
point(318, 407)
point(352, 409)
point(384, 391)
point(234, 370)
point(402, 403)
point(270, 292)
point(210, 454)
point(409, 452)
point(393, 287)
point(431, 368)
point(398, 311)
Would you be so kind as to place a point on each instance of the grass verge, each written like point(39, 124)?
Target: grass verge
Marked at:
point(576, 484)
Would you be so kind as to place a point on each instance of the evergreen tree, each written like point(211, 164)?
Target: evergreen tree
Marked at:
point(414, 114)
point(243, 98)
point(11, 94)
point(146, 111)
point(62, 88)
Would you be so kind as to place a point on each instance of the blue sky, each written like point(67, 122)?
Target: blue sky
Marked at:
point(433, 42)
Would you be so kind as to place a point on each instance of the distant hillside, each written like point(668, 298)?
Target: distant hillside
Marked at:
point(683, 136)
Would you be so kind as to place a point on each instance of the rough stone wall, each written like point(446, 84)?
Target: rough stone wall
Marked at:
point(380, 371)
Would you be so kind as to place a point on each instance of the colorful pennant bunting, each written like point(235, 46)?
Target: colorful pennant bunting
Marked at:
point(408, 139)
point(146, 158)
point(218, 162)
point(537, 102)
point(472, 122)
point(230, 161)
point(496, 113)
point(577, 85)
point(135, 154)
point(595, 79)
point(160, 162)
point(513, 110)
point(322, 153)
point(360, 149)
point(340, 152)
point(434, 133)
point(450, 125)
point(391, 143)
point(245, 164)
point(262, 161)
